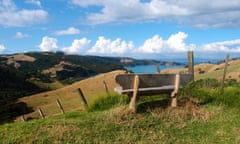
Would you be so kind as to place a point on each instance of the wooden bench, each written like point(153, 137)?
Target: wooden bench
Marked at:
point(136, 85)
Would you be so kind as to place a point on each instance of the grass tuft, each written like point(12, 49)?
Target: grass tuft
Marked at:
point(104, 102)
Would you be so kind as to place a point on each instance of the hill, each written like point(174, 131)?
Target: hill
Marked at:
point(204, 115)
point(94, 87)
point(215, 71)
point(24, 74)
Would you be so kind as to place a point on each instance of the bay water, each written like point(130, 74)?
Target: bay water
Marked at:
point(150, 69)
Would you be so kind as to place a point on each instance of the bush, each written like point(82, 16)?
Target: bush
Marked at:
point(105, 102)
point(208, 91)
point(201, 90)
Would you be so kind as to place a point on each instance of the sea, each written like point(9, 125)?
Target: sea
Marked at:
point(151, 69)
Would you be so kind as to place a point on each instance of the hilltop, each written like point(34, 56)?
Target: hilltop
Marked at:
point(24, 74)
point(94, 87)
point(214, 71)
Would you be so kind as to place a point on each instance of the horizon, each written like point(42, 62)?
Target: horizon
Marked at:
point(140, 29)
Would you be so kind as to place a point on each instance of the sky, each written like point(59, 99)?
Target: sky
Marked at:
point(145, 29)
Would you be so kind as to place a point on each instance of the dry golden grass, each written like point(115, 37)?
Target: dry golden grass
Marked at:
point(94, 87)
point(69, 96)
point(206, 70)
point(19, 57)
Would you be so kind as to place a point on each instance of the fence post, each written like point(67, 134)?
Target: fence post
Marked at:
point(224, 72)
point(158, 68)
point(106, 88)
point(41, 113)
point(23, 117)
point(60, 106)
point(191, 63)
point(83, 100)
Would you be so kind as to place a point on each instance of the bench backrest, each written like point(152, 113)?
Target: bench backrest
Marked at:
point(126, 81)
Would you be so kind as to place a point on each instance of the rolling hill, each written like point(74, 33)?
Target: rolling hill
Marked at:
point(24, 74)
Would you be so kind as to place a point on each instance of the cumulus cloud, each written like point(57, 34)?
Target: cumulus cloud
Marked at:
point(175, 43)
point(20, 35)
point(153, 47)
point(10, 16)
point(78, 46)
point(69, 31)
point(2, 47)
point(105, 46)
point(48, 44)
point(196, 13)
point(225, 46)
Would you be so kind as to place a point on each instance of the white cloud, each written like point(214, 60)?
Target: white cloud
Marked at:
point(175, 43)
point(105, 46)
point(10, 16)
point(34, 2)
point(225, 46)
point(69, 31)
point(153, 45)
point(85, 3)
point(156, 46)
point(20, 35)
point(78, 46)
point(2, 47)
point(191, 12)
point(48, 44)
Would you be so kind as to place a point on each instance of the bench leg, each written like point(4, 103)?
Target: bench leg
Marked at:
point(174, 102)
point(133, 102)
point(176, 89)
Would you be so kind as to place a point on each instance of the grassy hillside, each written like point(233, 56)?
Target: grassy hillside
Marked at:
point(93, 88)
point(205, 115)
point(215, 71)
point(13, 86)
point(69, 96)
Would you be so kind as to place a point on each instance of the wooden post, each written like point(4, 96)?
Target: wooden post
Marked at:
point(106, 87)
point(83, 100)
point(23, 117)
point(191, 63)
point(133, 102)
point(224, 72)
point(158, 68)
point(41, 113)
point(176, 89)
point(60, 106)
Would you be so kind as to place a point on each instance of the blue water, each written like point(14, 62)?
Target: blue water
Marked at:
point(150, 69)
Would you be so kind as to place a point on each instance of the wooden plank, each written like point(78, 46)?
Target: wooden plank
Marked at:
point(126, 81)
point(167, 88)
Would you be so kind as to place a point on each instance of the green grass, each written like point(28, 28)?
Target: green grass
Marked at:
point(205, 115)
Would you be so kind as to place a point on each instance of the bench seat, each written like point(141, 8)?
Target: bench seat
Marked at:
point(149, 90)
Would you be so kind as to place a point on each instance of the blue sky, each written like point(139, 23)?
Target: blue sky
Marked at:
point(154, 29)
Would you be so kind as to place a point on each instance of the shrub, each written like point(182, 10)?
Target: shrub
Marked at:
point(105, 102)
point(208, 91)
point(201, 90)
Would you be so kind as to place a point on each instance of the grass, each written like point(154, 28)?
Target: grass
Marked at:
point(196, 120)
point(217, 74)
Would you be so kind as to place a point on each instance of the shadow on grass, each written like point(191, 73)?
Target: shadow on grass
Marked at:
point(145, 106)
